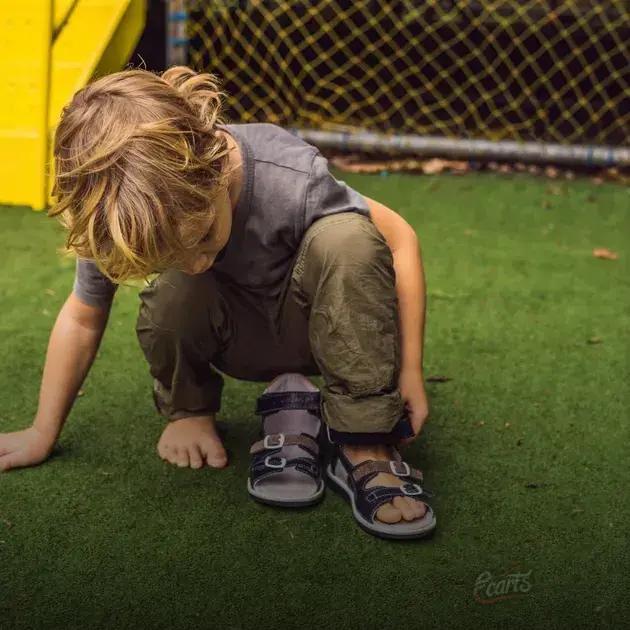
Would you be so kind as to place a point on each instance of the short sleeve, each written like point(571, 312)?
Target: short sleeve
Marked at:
point(327, 195)
point(91, 286)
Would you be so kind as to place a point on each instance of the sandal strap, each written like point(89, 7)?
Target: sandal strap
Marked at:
point(398, 468)
point(277, 401)
point(264, 465)
point(369, 500)
point(278, 440)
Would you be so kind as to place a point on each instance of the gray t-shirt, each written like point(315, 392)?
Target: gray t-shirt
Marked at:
point(286, 187)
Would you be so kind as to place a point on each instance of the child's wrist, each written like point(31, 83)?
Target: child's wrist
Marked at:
point(413, 366)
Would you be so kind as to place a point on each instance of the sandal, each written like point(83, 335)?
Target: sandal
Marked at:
point(350, 481)
point(285, 469)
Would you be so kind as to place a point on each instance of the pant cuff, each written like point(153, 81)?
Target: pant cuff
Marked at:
point(402, 429)
point(166, 409)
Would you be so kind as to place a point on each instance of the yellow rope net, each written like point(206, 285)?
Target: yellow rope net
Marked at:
point(556, 71)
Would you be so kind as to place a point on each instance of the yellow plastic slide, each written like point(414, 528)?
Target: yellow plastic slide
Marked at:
point(50, 49)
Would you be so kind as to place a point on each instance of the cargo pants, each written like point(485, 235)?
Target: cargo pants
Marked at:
point(335, 315)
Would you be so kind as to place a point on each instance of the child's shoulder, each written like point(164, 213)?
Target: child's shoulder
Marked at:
point(275, 145)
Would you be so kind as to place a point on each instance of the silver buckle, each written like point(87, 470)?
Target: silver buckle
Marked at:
point(282, 463)
point(405, 465)
point(417, 489)
point(266, 443)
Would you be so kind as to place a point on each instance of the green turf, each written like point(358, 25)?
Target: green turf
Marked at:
point(527, 446)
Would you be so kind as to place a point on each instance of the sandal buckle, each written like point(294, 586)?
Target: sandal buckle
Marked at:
point(405, 467)
point(411, 489)
point(268, 463)
point(274, 436)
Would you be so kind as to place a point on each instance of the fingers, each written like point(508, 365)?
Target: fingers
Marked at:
point(407, 441)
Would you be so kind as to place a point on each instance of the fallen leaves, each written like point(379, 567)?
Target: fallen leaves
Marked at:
point(357, 164)
point(606, 254)
point(438, 379)
point(370, 163)
point(594, 340)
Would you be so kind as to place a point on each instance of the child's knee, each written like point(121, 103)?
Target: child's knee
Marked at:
point(176, 302)
point(351, 240)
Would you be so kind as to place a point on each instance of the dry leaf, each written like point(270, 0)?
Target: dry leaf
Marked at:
point(594, 340)
point(431, 167)
point(354, 164)
point(438, 379)
point(552, 172)
point(602, 252)
point(50, 292)
point(80, 393)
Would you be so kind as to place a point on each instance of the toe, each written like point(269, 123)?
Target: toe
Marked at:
point(181, 457)
point(419, 508)
point(214, 455)
point(194, 456)
point(170, 454)
point(388, 514)
point(217, 461)
point(162, 451)
point(402, 503)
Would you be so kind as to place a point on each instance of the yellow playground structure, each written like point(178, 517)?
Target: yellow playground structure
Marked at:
point(50, 49)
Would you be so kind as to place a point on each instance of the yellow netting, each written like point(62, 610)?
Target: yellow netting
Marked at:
point(543, 70)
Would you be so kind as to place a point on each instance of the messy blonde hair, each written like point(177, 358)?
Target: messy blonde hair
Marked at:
point(138, 164)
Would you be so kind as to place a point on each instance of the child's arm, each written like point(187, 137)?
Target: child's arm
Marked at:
point(410, 281)
point(73, 344)
point(411, 293)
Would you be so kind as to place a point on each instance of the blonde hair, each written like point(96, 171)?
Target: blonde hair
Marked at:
point(138, 164)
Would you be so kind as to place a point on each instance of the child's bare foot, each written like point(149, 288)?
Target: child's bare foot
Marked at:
point(399, 508)
point(193, 442)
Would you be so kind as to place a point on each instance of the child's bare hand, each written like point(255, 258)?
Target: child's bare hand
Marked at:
point(411, 385)
point(24, 448)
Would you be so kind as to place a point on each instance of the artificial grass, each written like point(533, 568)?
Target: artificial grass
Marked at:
point(526, 447)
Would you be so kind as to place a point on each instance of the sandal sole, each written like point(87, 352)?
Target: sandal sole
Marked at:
point(339, 486)
point(289, 503)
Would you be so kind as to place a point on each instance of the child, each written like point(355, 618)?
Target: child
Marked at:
point(269, 268)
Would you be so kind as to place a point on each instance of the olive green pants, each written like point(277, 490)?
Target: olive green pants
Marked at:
point(336, 315)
